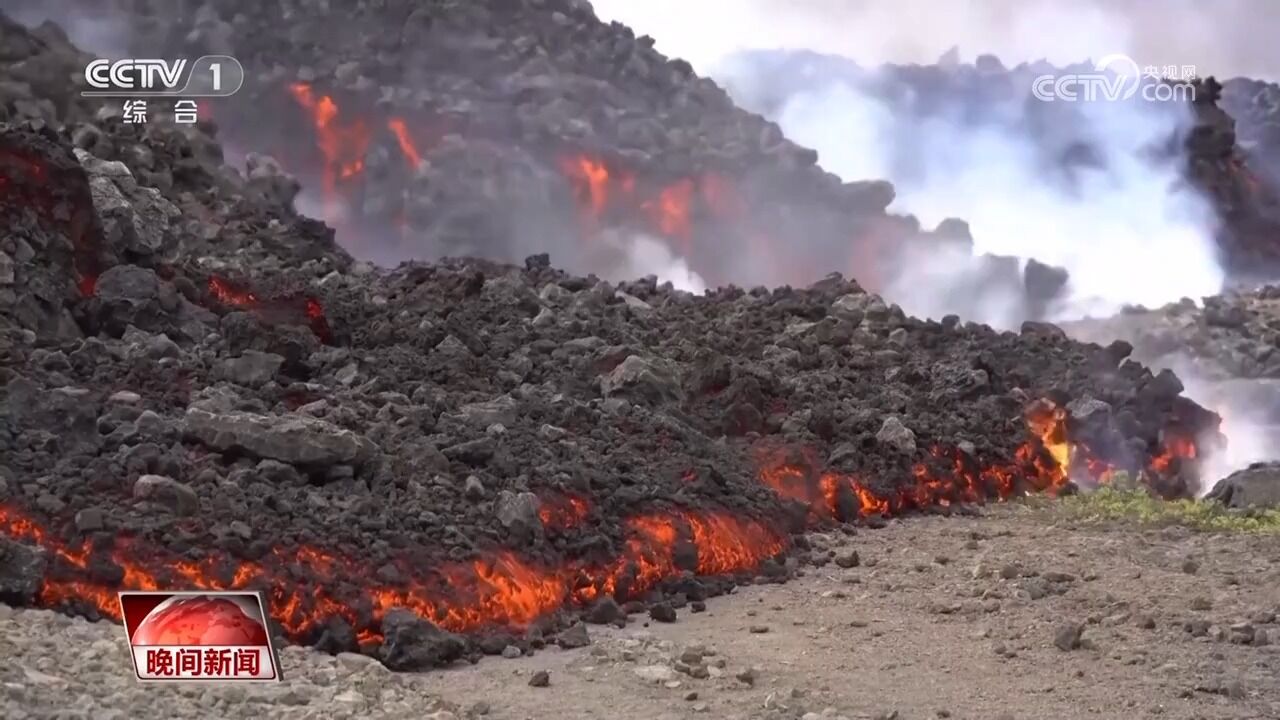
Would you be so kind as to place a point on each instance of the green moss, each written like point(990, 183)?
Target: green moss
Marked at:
point(1124, 502)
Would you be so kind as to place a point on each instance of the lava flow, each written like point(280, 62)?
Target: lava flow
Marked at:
point(501, 590)
point(308, 588)
point(607, 194)
point(344, 142)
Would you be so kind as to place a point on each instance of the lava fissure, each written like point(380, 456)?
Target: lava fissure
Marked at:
point(504, 590)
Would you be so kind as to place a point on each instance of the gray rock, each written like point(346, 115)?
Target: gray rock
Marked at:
point(1067, 636)
point(518, 511)
point(499, 411)
point(1257, 485)
point(897, 435)
point(21, 572)
point(643, 379)
point(473, 489)
point(295, 439)
point(252, 369)
point(1085, 408)
point(178, 497)
point(411, 643)
point(575, 636)
point(90, 519)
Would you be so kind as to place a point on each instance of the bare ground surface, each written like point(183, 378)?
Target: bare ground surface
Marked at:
point(942, 617)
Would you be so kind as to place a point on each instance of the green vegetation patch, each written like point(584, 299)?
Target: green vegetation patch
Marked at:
point(1125, 503)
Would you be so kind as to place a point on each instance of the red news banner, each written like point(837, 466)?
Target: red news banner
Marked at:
point(199, 636)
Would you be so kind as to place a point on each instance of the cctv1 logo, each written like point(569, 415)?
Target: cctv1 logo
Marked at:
point(207, 76)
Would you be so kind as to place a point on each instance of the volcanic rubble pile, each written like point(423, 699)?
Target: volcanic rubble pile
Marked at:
point(497, 129)
point(480, 444)
point(201, 389)
point(1230, 345)
point(1255, 106)
point(1232, 148)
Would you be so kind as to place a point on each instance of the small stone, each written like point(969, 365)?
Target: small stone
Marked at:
point(691, 695)
point(473, 489)
point(691, 656)
point(177, 497)
point(1190, 566)
point(90, 519)
point(663, 612)
point(511, 652)
point(759, 629)
point(848, 560)
point(125, 397)
point(747, 676)
point(1146, 622)
point(656, 673)
point(1067, 636)
point(1201, 604)
point(540, 679)
point(574, 636)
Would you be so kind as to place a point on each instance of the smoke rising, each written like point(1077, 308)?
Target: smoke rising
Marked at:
point(1090, 187)
point(1225, 38)
point(1082, 186)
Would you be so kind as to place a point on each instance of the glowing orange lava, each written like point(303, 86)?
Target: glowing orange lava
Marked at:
point(499, 590)
point(563, 512)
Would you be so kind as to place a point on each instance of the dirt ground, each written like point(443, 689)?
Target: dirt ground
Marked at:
point(944, 617)
point(940, 618)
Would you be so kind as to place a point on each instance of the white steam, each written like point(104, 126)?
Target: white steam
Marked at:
point(1126, 228)
point(1251, 436)
point(1224, 37)
point(647, 255)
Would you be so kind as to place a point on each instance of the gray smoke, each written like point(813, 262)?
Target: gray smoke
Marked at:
point(1224, 38)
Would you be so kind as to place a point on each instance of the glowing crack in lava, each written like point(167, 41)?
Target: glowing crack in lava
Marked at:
point(499, 590)
point(707, 206)
point(564, 512)
point(344, 143)
point(295, 309)
point(607, 194)
point(308, 587)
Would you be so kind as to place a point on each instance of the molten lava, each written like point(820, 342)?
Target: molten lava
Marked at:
point(562, 513)
point(295, 309)
point(344, 143)
point(610, 195)
point(307, 587)
point(501, 590)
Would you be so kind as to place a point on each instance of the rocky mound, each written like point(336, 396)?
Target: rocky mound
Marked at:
point(525, 438)
point(1257, 486)
point(1229, 342)
point(500, 129)
point(202, 390)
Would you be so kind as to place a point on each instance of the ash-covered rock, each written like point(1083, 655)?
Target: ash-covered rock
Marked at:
point(1256, 486)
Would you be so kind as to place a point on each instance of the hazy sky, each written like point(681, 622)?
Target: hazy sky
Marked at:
point(1220, 37)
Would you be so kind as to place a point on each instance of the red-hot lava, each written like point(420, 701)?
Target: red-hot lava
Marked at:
point(288, 309)
point(563, 511)
point(504, 589)
point(501, 590)
point(608, 194)
point(344, 142)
